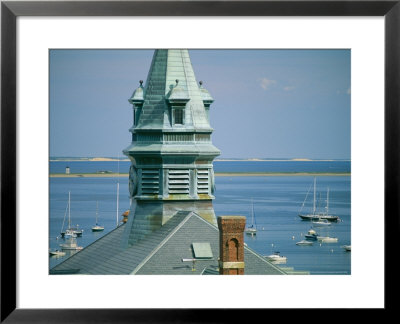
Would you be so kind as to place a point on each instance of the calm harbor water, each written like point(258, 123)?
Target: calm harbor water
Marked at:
point(276, 201)
point(219, 166)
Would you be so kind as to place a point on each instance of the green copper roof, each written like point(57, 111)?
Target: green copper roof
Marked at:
point(168, 67)
point(205, 95)
point(138, 94)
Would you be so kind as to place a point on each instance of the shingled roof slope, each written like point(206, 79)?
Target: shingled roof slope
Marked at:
point(160, 252)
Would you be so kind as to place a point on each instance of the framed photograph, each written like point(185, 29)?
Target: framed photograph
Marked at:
point(354, 44)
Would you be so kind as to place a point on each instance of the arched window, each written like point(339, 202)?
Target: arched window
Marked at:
point(233, 248)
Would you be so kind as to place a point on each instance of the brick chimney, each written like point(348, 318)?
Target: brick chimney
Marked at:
point(231, 244)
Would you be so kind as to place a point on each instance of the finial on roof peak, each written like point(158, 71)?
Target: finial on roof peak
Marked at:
point(141, 82)
point(201, 83)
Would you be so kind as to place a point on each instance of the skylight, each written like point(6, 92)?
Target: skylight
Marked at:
point(202, 250)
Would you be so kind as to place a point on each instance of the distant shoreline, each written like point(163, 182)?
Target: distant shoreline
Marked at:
point(100, 159)
point(217, 174)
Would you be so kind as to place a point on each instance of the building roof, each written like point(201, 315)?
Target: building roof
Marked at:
point(166, 251)
point(168, 66)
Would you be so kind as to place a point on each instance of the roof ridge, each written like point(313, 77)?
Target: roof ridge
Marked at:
point(205, 221)
point(150, 255)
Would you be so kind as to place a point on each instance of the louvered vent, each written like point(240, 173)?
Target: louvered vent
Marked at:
point(202, 181)
point(178, 181)
point(150, 181)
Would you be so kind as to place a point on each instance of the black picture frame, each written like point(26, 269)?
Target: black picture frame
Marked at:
point(10, 10)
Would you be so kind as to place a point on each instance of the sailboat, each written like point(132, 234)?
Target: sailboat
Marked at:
point(315, 215)
point(70, 231)
point(251, 230)
point(70, 245)
point(97, 227)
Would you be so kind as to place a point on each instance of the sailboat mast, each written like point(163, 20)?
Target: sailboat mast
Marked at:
point(69, 209)
point(97, 210)
point(252, 212)
point(117, 201)
point(327, 201)
point(118, 192)
point(314, 195)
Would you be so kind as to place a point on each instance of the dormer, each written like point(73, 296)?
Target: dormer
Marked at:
point(137, 100)
point(206, 97)
point(177, 100)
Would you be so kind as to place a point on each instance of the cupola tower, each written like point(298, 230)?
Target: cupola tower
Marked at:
point(171, 151)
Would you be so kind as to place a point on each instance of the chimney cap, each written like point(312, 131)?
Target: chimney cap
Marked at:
point(235, 217)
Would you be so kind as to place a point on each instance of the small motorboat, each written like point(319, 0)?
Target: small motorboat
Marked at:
point(347, 248)
point(327, 239)
point(311, 235)
point(321, 222)
point(304, 242)
point(56, 253)
point(71, 245)
point(276, 257)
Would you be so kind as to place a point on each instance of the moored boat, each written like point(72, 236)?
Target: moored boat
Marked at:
point(347, 248)
point(70, 231)
point(321, 222)
point(316, 215)
point(70, 245)
point(276, 257)
point(56, 253)
point(251, 230)
point(304, 242)
point(327, 239)
point(311, 235)
point(97, 227)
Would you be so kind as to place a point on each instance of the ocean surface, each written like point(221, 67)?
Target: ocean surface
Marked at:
point(219, 166)
point(277, 201)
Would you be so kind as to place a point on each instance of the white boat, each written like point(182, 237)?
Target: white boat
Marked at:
point(70, 231)
point(70, 244)
point(276, 257)
point(56, 253)
point(314, 214)
point(304, 242)
point(347, 248)
point(251, 229)
point(97, 227)
point(327, 239)
point(311, 235)
point(321, 222)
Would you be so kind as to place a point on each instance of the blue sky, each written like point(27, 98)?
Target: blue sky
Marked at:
point(268, 103)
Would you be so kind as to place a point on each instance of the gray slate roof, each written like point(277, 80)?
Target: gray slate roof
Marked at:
point(159, 253)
